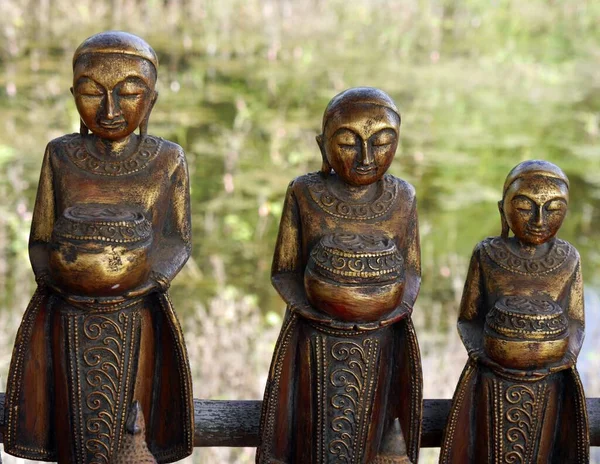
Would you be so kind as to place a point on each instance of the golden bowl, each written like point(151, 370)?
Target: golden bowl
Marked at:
point(526, 333)
point(356, 278)
point(100, 250)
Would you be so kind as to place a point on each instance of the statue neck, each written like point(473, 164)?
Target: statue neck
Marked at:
point(526, 250)
point(351, 193)
point(122, 148)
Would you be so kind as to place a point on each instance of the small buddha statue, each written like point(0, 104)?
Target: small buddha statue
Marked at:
point(345, 380)
point(520, 399)
point(110, 230)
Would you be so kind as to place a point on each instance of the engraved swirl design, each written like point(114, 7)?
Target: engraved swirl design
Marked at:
point(531, 318)
point(102, 223)
point(498, 251)
point(346, 371)
point(337, 258)
point(101, 352)
point(77, 152)
point(337, 207)
point(517, 418)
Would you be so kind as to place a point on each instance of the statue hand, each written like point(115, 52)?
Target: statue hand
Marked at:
point(148, 287)
point(43, 279)
point(567, 362)
point(81, 299)
point(479, 356)
point(156, 282)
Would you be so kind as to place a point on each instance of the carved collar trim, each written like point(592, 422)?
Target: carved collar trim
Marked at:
point(499, 252)
point(334, 206)
point(78, 153)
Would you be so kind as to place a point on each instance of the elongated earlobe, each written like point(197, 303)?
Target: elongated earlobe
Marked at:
point(325, 166)
point(144, 124)
point(505, 228)
point(83, 129)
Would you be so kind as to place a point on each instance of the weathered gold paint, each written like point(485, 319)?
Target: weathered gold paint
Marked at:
point(110, 230)
point(520, 396)
point(347, 263)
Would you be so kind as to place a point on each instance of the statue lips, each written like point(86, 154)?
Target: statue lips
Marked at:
point(366, 169)
point(113, 124)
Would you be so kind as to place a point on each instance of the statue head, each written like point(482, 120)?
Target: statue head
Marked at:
point(360, 134)
point(114, 78)
point(534, 201)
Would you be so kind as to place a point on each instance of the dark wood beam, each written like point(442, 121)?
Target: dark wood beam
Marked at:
point(235, 423)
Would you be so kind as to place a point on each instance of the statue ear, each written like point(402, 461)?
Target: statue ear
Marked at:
point(144, 124)
point(72, 91)
point(325, 166)
point(505, 228)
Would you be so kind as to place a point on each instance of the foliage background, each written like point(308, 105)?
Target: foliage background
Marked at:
point(481, 84)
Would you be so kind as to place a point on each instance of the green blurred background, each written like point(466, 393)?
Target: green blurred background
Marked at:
point(481, 85)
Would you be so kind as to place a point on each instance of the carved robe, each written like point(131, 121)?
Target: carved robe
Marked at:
point(498, 418)
point(343, 391)
point(76, 367)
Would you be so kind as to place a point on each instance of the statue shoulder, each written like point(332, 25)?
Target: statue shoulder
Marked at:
point(305, 181)
point(64, 141)
point(479, 247)
point(169, 153)
point(406, 191)
point(565, 248)
point(167, 148)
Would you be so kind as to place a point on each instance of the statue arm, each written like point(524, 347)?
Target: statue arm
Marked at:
point(412, 261)
point(471, 317)
point(287, 271)
point(175, 244)
point(576, 313)
point(42, 222)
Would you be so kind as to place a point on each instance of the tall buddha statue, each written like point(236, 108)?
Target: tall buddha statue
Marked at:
point(520, 399)
point(110, 230)
point(345, 379)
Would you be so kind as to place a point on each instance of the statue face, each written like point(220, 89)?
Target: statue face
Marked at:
point(360, 142)
point(535, 207)
point(113, 93)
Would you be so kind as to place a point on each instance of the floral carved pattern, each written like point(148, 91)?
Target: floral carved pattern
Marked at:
point(346, 372)
point(78, 153)
point(101, 354)
point(498, 251)
point(334, 206)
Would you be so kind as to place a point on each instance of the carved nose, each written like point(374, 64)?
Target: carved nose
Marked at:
point(538, 221)
point(112, 109)
point(367, 157)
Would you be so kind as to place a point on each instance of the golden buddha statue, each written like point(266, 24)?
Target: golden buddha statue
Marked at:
point(520, 398)
point(110, 230)
point(345, 380)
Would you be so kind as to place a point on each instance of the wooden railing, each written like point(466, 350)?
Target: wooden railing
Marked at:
point(235, 423)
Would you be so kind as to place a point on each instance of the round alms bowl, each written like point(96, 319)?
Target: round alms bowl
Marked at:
point(526, 333)
point(356, 278)
point(100, 250)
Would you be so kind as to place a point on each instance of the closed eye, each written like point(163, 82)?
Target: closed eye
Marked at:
point(131, 95)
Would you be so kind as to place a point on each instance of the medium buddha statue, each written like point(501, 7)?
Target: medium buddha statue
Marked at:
point(345, 380)
point(520, 399)
point(110, 230)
